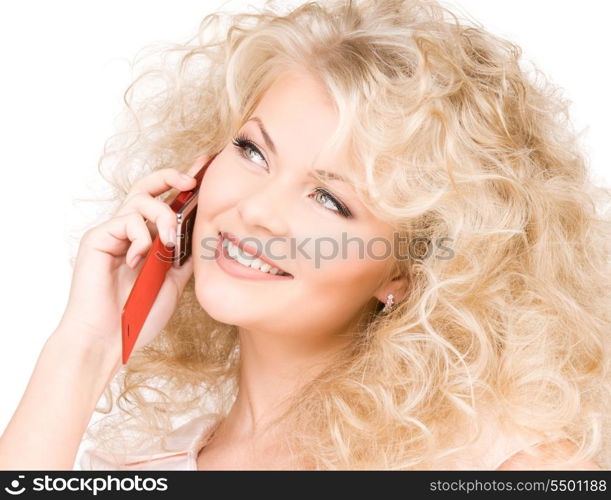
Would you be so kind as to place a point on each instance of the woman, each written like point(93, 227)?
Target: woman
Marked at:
point(344, 129)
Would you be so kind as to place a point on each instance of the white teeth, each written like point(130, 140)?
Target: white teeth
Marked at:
point(243, 261)
point(232, 251)
point(247, 259)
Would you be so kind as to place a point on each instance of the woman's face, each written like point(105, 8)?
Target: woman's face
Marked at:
point(266, 196)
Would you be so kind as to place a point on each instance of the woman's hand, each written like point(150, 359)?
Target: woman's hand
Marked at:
point(110, 256)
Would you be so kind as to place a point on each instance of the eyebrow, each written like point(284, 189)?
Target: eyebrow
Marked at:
point(270, 144)
point(329, 175)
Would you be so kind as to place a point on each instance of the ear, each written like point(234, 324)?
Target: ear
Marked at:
point(398, 286)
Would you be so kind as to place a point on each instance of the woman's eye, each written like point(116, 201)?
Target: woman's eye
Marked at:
point(244, 146)
point(335, 205)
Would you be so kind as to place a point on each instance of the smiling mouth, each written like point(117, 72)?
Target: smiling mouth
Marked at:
point(247, 256)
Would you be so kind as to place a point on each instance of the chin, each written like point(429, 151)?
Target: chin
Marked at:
point(221, 305)
point(217, 304)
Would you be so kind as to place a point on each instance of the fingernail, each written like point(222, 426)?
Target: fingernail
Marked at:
point(136, 260)
point(187, 177)
point(171, 239)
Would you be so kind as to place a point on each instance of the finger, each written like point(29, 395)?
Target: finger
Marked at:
point(157, 212)
point(199, 162)
point(160, 181)
point(152, 228)
point(119, 234)
point(141, 244)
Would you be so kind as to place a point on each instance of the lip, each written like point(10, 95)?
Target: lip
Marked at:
point(237, 270)
point(248, 249)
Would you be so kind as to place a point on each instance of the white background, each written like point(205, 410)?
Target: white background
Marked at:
point(65, 65)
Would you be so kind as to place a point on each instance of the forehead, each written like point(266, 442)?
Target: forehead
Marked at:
point(300, 117)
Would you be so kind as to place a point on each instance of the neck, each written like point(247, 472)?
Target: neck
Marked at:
point(273, 367)
point(271, 370)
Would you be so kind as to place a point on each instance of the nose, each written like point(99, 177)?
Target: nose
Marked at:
point(263, 209)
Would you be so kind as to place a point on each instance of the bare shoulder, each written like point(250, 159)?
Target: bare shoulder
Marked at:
point(548, 456)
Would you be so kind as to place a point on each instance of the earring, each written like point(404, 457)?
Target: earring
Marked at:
point(390, 300)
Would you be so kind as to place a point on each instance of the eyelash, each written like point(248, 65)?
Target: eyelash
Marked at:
point(241, 143)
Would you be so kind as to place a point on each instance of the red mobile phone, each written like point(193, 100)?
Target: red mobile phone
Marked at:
point(157, 263)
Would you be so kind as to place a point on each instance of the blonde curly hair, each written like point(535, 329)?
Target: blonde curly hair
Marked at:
point(455, 141)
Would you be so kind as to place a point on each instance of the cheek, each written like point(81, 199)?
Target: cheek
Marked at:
point(218, 192)
point(348, 274)
point(221, 187)
point(352, 255)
